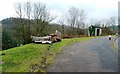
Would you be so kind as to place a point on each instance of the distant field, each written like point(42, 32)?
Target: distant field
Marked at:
point(29, 56)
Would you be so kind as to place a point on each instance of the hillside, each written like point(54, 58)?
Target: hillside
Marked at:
point(15, 32)
point(9, 23)
point(13, 35)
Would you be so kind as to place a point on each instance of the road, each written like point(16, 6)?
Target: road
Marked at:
point(95, 55)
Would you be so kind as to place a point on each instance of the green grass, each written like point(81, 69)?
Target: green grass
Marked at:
point(21, 59)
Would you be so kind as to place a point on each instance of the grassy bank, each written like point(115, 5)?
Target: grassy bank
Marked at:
point(21, 59)
point(30, 57)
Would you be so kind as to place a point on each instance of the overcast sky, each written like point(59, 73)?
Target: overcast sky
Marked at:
point(95, 9)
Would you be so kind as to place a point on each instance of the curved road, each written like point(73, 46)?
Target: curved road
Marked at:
point(95, 55)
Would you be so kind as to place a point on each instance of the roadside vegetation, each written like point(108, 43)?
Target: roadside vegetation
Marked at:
point(33, 57)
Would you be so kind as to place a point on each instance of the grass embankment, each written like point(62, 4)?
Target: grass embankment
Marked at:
point(24, 58)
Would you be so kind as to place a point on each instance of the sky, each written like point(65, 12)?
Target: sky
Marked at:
point(94, 9)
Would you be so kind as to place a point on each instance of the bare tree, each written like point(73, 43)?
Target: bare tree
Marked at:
point(62, 23)
point(36, 16)
point(18, 8)
point(76, 19)
point(80, 21)
point(27, 10)
point(42, 16)
point(113, 22)
point(73, 14)
point(19, 26)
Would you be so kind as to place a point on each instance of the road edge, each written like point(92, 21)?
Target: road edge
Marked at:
point(114, 44)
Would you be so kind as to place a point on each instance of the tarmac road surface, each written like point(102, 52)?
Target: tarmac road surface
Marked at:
point(95, 55)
